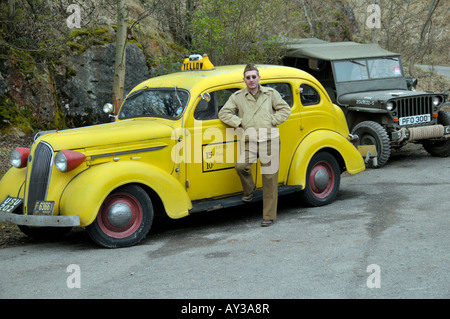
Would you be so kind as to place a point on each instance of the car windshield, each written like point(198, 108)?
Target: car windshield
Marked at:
point(367, 69)
point(162, 102)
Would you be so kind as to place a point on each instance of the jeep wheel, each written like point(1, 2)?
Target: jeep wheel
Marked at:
point(323, 177)
point(124, 218)
point(439, 148)
point(372, 133)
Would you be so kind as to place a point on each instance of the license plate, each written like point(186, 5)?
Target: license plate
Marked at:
point(416, 119)
point(10, 204)
point(43, 208)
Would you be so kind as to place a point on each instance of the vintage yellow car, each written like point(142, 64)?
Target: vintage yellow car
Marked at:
point(167, 152)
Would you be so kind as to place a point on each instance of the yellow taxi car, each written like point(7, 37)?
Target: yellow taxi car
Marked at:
point(167, 151)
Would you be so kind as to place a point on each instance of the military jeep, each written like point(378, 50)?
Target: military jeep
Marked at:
point(380, 104)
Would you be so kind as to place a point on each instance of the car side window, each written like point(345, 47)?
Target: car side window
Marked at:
point(210, 110)
point(285, 91)
point(309, 95)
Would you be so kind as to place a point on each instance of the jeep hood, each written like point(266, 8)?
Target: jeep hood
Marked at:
point(105, 134)
point(376, 99)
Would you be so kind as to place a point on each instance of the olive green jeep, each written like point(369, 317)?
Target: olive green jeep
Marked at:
point(380, 104)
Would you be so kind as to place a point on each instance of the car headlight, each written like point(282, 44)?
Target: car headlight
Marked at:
point(19, 157)
point(65, 161)
point(436, 100)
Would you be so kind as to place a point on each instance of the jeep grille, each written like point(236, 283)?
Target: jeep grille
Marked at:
point(40, 175)
point(414, 106)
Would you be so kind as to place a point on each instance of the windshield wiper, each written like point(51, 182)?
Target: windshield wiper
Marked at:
point(389, 58)
point(356, 62)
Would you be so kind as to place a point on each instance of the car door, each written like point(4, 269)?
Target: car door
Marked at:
point(315, 108)
point(214, 148)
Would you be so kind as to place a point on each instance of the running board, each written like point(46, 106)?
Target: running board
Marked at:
point(214, 204)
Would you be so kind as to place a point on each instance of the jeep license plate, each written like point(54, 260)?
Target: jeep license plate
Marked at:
point(415, 119)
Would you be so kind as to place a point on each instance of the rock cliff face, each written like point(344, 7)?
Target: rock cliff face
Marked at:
point(77, 88)
point(90, 87)
point(26, 91)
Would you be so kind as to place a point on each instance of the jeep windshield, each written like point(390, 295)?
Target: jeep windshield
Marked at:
point(160, 102)
point(367, 69)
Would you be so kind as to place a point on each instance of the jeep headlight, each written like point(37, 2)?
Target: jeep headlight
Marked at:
point(390, 105)
point(436, 100)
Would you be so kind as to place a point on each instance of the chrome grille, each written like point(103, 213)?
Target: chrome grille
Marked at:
point(414, 106)
point(40, 175)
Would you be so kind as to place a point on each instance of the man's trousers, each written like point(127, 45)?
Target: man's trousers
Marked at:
point(268, 153)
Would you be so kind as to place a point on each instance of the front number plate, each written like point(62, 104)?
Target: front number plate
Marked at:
point(10, 204)
point(416, 119)
point(43, 208)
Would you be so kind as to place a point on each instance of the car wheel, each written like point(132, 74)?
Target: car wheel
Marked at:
point(323, 177)
point(372, 133)
point(124, 218)
point(439, 148)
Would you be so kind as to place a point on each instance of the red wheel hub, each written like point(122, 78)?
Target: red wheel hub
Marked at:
point(120, 215)
point(322, 179)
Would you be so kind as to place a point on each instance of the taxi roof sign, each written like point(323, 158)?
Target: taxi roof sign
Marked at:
point(197, 62)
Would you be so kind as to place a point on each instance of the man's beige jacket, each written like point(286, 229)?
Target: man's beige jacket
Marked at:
point(264, 114)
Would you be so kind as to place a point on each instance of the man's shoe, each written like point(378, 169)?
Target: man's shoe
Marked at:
point(266, 223)
point(249, 197)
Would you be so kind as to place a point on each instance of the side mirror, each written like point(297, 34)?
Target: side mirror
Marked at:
point(109, 109)
point(206, 96)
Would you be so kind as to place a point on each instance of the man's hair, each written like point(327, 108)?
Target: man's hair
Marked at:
point(251, 67)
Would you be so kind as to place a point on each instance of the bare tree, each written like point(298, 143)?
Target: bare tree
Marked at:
point(425, 29)
point(311, 29)
point(120, 62)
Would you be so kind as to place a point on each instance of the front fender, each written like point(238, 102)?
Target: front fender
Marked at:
point(84, 195)
point(321, 140)
point(12, 183)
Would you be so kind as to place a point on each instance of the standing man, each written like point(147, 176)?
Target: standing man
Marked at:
point(258, 110)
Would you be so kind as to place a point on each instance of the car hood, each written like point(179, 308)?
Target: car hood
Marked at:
point(105, 134)
point(376, 99)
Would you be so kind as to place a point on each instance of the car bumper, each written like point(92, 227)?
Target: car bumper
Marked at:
point(421, 133)
point(41, 221)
